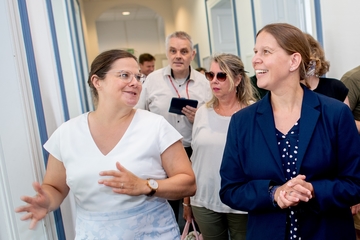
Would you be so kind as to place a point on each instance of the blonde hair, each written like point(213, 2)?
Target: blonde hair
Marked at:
point(234, 67)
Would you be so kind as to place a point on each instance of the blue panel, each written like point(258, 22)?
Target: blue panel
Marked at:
point(208, 26)
point(78, 77)
point(80, 70)
point(197, 56)
point(236, 29)
point(253, 18)
point(57, 59)
point(34, 81)
point(319, 32)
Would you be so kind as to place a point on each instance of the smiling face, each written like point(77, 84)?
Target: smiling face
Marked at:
point(119, 91)
point(271, 63)
point(147, 67)
point(180, 55)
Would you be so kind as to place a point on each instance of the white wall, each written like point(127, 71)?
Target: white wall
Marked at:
point(111, 34)
point(190, 16)
point(140, 35)
point(341, 33)
point(246, 33)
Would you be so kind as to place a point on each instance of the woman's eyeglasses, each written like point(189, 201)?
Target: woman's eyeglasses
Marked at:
point(221, 76)
point(128, 76)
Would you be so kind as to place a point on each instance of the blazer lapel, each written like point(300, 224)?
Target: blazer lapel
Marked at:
point(308, 119)
point(265, 121)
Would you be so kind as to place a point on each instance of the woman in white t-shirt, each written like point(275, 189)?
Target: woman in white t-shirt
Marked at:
point(120, 163)
point(232, 91)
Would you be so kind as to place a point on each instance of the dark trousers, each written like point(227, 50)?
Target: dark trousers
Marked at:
point(175, 204)
point(188, 151)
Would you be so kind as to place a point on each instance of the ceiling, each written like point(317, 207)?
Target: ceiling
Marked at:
point(136, 13)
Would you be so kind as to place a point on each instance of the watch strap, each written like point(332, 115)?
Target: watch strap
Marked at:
point(153, 191)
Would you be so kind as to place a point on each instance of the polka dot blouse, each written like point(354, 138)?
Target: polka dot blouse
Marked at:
point(288, 147)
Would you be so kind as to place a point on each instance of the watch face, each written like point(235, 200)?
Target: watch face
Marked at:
point(153, 184)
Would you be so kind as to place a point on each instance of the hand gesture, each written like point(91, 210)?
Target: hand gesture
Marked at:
point(124, 182)
point(37, 206)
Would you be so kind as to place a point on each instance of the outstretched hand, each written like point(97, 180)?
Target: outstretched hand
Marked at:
point(36, 208)
point(124, 182)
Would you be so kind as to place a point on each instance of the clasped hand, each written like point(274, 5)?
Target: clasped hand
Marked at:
point(293, 192)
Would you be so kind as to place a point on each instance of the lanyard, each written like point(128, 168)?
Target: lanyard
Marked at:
point(187, 88)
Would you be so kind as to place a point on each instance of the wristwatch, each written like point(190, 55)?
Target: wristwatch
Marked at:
point(153, 185)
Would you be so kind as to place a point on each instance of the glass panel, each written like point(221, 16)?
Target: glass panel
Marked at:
point(221, 26)
point(295, 12)
point(79, 54)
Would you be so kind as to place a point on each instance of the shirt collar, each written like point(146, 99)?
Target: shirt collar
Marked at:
point(169, 72)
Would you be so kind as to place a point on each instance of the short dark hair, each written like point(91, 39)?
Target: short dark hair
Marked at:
point(146, 57)
point(199, 69)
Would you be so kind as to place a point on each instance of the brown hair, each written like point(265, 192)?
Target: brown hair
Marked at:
point(234, 67)
point(322, 66)
point(199, 69)
point(146, 57)
point(102, 64)
point(292, 40)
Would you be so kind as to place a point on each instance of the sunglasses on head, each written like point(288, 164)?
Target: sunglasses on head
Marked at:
point(221, 76)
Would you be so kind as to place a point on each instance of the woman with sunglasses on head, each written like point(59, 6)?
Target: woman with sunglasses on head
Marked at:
point(232, 91)
point(120, 163)
point(292, 159)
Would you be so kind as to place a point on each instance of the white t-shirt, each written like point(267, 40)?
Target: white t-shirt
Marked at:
point(208, 143)
point(147, 136)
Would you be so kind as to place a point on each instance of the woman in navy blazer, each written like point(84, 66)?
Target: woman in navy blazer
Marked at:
point(291, 160)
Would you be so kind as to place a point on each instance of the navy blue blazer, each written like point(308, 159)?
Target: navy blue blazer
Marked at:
point(328, 156)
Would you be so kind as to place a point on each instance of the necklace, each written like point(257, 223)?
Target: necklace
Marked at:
point(226, 114)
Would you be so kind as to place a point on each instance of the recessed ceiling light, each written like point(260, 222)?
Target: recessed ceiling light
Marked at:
point(125, 13)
